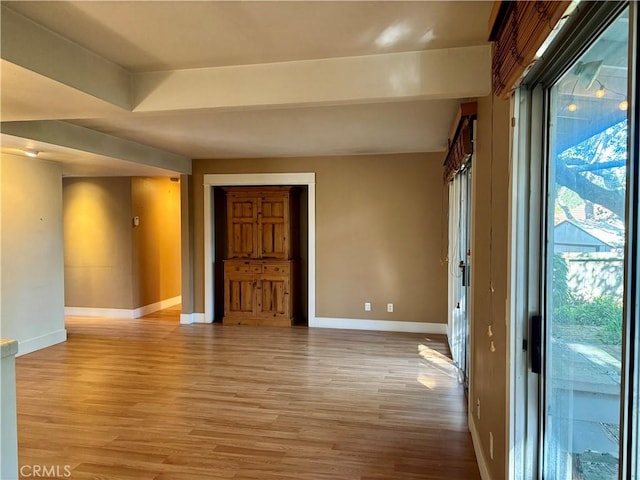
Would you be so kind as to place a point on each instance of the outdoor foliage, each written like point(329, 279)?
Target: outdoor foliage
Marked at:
point(568, 309)
point(604, 312)
point(561, 294)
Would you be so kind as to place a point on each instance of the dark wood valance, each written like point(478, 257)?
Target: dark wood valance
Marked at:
point(460, 141)
point(518, 29)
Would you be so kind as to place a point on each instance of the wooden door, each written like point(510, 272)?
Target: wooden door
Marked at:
point(273, 235)
point(275, 291)
point(242, 220)
point(240, 296)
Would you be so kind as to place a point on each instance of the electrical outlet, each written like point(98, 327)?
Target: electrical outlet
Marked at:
point(367, 306)
point(390, 307)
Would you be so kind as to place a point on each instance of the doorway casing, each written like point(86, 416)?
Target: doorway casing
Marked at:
point(257, 179)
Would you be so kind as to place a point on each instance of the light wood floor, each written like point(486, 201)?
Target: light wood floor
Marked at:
point(150, 399)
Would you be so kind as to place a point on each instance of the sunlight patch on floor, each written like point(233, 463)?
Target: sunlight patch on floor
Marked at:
point(436, 360)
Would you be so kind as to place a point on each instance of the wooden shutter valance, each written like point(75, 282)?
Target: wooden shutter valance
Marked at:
point(518, 29)
point(460, 144)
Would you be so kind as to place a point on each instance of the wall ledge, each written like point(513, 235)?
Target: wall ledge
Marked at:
point(8, 416)
point(8, 348)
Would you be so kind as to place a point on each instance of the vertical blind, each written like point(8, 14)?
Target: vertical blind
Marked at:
point(518, 29)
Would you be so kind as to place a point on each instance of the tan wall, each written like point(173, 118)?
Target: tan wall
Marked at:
point(378, 232)
point(32, 296)
point(97, 242)
point(108, 262)
point(156, 241)
point(489, 268)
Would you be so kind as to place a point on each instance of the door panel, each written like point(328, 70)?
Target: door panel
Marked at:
point(273, 235)
point(242, 296)
point(459, 270)
point(584, 262)
point(243, 235)
point(274, 296)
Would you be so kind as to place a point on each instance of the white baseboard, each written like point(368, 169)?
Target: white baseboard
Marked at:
point(379, 325)
point(121, 312)
point(189, 318)
point(199, 318)
point(154, 307)
point(348, 324)
point(97, 312)
point(43, 341)
point(477, 447)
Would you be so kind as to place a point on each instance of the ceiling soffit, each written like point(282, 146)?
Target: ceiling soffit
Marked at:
point(100, 91)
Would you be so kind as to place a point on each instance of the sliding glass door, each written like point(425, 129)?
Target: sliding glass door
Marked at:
point(584, 261)
point(459, 269)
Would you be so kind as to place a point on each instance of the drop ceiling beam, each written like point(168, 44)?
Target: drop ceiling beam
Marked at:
point(453, 73)
point(84, 139)
point(433, 74)
point(33, 47)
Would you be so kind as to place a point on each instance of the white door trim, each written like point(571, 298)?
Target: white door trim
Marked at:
point(257, 179)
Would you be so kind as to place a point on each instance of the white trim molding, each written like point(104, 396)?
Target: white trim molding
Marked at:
point(379, 325)
point(190, 318)
point(122, 312)
point(154, 307)
point(43, 341)
point(477, 447)
point(98, 312)
point(257, 179)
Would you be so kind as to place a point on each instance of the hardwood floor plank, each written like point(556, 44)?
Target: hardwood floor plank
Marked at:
point(151, 399)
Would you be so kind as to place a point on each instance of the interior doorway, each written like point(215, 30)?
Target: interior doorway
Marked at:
point(122, 241)
point(220, 248)
point(308, 231)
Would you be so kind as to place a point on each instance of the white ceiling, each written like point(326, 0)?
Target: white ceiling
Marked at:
point(374, 97)
point(168, 35)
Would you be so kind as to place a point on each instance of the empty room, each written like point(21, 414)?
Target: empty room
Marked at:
point(319, 240)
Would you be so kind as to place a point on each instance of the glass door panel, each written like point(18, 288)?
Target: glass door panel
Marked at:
point(459, 269)
point(584, 267)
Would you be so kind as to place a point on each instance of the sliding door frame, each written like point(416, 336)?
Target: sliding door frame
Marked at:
point(530, 107)
point(630, 418)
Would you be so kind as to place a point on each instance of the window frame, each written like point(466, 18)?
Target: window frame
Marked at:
point(530, 109)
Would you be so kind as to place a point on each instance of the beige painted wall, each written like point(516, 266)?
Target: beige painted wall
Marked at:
point(32, 296)
point(378, 232)
point(489, 270)
point(156, 241)
point(97, 242)
point(108, 262)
